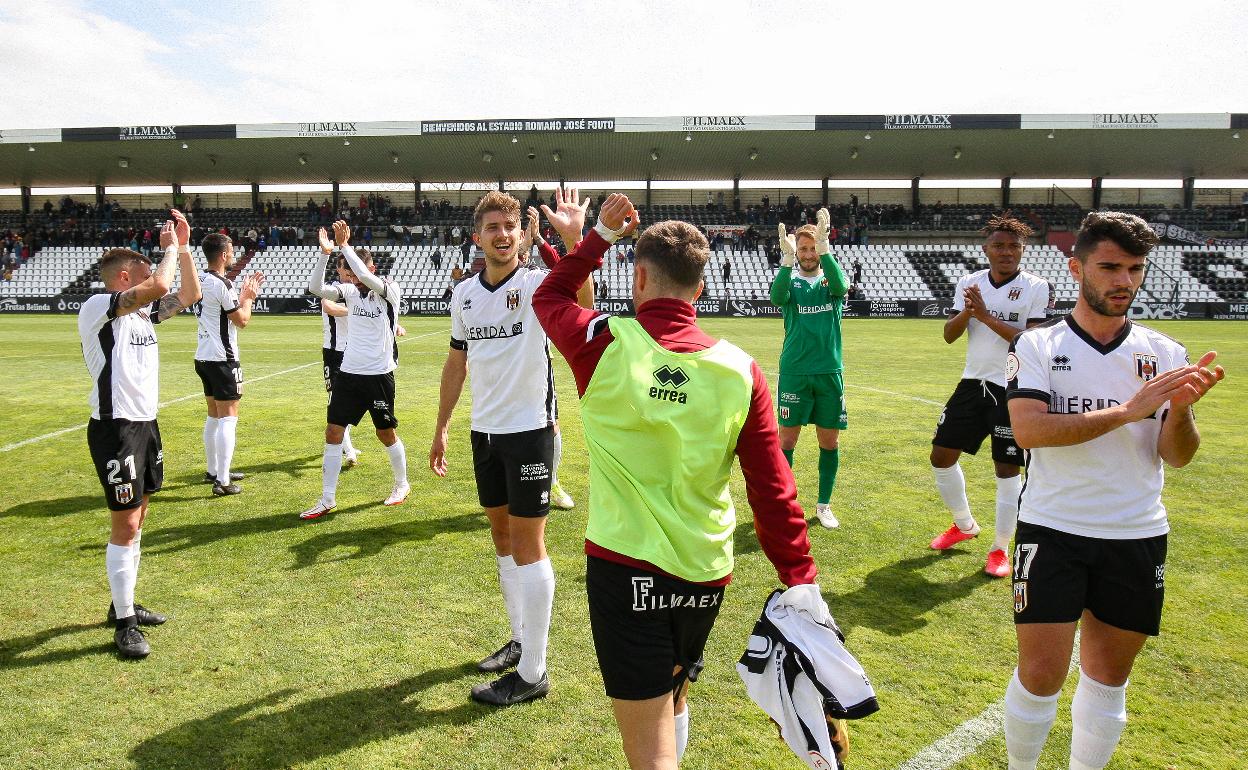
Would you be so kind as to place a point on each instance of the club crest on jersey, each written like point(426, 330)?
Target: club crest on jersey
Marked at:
point(1145, 366)
point(1015, 293)
point(513, 299)
point(1020, 595)
point(124, 492)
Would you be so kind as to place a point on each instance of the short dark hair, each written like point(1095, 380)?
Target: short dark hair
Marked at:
point(115, 260)
point(677, 250)
point(1129, 232)
point(214, 245)
point(495, 200)
point(1004, 223)
point(364, 254)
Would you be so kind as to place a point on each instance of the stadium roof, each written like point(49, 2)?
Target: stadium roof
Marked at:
point(693, 147)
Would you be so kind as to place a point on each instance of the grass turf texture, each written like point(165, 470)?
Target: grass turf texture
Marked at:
point(349, 641)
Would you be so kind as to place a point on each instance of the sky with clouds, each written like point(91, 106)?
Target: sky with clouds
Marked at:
point(76, 63)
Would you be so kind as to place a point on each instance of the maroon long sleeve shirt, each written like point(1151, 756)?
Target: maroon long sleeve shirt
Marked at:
point(582, 335)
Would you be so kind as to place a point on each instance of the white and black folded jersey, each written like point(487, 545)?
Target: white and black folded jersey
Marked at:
point(1021, 299)
point(218, 337)
point(333, 329)
point(513, 381)
point(370, 331)
point(799, 672)
point(122, 358)
point(1109, 487)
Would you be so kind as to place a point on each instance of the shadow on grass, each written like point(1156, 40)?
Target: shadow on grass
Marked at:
point(745, 539)
point(894, 598)
point(251, 735)
point(13, 650)
point(291, 467)
point(372, 541)
point(158, 539)
point(64, 506)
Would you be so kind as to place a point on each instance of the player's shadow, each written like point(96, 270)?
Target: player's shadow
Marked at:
point(292, 467)
point(745, 539)
point(253, 734)
point(64, 506)
point(159, 539)
point(22, 651)
point(363, 543)
point(895, 597)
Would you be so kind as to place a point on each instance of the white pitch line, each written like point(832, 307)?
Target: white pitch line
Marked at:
point(966, 738)
point(72, 428)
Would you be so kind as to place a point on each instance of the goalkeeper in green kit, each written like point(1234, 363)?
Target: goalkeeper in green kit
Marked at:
point(812, 388)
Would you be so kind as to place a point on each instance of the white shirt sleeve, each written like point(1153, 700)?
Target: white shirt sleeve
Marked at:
point(1025, 372)
point(1039, 306)
point(959, 302)
point(458, 333)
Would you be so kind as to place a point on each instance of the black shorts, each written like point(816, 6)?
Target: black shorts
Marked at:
point(355, 394)
point(1058, 575)
point(333, 362)
point(128, 459)
point(223, 380)
point(977, 410)
point(513, 469)
point(645, 624)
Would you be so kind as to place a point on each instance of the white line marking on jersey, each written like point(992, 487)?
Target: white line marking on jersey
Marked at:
point(966, 738)
point(62, 431)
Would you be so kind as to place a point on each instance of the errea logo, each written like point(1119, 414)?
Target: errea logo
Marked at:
point(672, 381)
point(1061, 363)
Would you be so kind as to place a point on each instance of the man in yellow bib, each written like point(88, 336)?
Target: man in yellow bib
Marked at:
point(665, 409)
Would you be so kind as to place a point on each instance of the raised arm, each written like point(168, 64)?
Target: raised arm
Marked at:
point(316, 281)
point(156, 286)
point(838, 285)
point(188, 286)
point(342, 233)
point(784, 276)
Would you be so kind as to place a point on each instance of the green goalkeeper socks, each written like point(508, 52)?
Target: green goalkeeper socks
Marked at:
point(829, 461)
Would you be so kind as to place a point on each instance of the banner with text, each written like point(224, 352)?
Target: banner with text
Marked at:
point(332, 128)
point(518, 126)
point(147, 133)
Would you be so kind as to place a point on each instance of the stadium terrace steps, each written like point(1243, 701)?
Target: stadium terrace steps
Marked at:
point(922, 272)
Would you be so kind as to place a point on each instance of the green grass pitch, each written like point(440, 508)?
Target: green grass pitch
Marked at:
point(350, 641)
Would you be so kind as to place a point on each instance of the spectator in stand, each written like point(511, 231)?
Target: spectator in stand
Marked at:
point(857, 271)
point(937, 214)
point(833, 234)
point(436, 259)
point(727, 273)
point(466, 249)
point(457, 236)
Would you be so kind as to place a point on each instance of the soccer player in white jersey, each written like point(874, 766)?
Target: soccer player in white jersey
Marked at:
point(365, 382)
point(222, 310)
point(334, 342)
point(118, 335)
point(992, 306)
point(1099, 403)
point(496, 336)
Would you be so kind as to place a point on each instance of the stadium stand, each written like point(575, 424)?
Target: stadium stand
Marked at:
point(923, 272)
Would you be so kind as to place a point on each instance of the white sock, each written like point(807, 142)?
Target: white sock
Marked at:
point(226, 429)
point(121, 577)
point(348, 450)
point(331, 465)
point(537, 597)
point(1028, 719)
point(682, 732)
point(398, 461)
point(511, 595)
point(134, 552)
point(210, 444)
point(1008, 491)
point(554, 467)
point(952, 486)
point(1098, 715)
